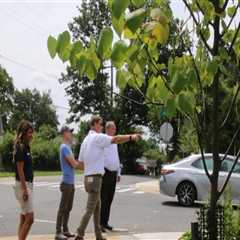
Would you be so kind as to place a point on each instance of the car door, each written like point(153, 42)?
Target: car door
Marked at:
point(202, 181)
point(234, 181)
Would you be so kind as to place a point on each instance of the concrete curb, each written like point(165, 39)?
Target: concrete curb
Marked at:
point(114, 236)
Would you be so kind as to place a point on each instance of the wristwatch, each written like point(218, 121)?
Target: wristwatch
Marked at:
point(130, 138)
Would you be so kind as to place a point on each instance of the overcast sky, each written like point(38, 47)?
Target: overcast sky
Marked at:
point(25, 26)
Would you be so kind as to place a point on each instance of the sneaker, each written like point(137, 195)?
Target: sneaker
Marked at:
point(103, 229)
point(68, 234)
point(108, 227)
point(60, 236)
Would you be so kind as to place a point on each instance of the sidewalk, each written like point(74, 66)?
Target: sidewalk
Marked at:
point(114, 236)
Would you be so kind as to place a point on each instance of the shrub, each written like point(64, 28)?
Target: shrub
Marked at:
point(45, 151)
point(186, 236)
point(6, 150)
point(155, 154)
point(231, 218)
point(45, 154)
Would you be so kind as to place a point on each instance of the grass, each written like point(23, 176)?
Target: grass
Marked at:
point(36, 173)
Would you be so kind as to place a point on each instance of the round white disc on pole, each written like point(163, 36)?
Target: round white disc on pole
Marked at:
point(166, 131)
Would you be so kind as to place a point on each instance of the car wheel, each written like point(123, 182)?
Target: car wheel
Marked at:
point(186, 194)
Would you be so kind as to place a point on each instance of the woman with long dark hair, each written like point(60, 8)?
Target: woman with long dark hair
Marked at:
point(24, 177)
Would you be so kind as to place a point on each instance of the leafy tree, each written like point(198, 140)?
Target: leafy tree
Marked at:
point(6, 94)
point(86, 96)
point(194, 81)
point(35, 107)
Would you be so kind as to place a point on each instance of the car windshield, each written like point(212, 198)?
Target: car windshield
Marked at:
point(226, 165)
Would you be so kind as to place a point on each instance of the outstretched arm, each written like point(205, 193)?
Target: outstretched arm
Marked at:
point(125, 138)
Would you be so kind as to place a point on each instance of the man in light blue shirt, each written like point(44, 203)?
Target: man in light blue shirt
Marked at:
point(68, 163)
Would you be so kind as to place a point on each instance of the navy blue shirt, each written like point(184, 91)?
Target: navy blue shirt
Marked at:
point(67, 169)
point(23, 154)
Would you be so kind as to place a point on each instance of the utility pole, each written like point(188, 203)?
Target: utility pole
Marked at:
point(1, 139)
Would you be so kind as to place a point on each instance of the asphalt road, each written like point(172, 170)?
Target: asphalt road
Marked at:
point(135, 210)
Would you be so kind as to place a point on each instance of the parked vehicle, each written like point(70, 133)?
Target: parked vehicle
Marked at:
point(141, 166)
point(187, 180)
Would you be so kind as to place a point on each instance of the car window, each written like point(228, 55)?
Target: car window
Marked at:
point(199, 163)
point(227, 165)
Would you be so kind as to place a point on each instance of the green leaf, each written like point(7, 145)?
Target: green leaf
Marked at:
point(76, 49)
point(186, 103)
point(64, 46)
point(119, 7)
point(92, 56)
point(105, 43)
point(119, 53)
point(138, 3)
point(212, 67)
point(52, 46)
point(81, 64)
point(231, 11)
point(178, 82)
point(134, 20)
point(118, 25)
point(170, 108)
point(122, 78)
point(157, 89)
point(91, 70)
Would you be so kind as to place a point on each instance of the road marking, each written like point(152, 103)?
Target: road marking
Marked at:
point(79, 186)
point(124, 190)
point(7, 183)
point(54, 186)
point(42, 184)
point(45, 221)
point(159, 236)
point(138, 192)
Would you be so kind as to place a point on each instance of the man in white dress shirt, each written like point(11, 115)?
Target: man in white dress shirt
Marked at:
point(92, 155)
point(111, 176)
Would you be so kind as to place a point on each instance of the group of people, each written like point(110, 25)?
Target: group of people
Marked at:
point(99, 159)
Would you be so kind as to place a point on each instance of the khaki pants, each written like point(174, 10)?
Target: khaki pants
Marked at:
point(65, 207)
point(93, 188)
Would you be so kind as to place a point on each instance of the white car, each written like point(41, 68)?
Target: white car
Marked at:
point(187, 180)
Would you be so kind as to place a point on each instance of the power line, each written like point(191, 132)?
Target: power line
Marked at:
point(33, 69)
point(19, 20)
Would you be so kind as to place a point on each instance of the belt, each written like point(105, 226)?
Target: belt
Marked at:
point(109, 171)
point(94, 175)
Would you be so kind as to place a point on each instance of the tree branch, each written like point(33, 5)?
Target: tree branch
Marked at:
point(230, 174)
point(197, 24)
point(234, 39)
point(155, 65)
point(201, 10)
point(230, 22)
point(136, 102)
point(149, 101)
point(224, 5)
point(231, 107)
point(202, 152)
point(231, 143)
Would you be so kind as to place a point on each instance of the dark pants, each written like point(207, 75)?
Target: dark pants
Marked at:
point(65, 207)
point(107, 194)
